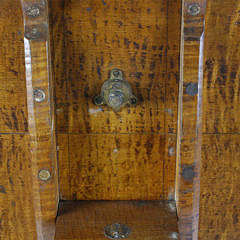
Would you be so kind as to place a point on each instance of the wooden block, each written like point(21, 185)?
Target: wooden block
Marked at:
point(87, 219)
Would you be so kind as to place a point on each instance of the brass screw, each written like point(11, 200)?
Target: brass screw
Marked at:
point(117, 231)
point(194, 9)
point(39, 95)
point(33, 11)
point(171, 151)
point(44, 175)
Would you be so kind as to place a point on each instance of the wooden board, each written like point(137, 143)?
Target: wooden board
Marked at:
point(220, 189)
point(98, 38)
point(89, 39)
point(17, 218)
point(116, 167)
point(219, 206)
point(87, 219)
point(222, 70)
point(13, 112)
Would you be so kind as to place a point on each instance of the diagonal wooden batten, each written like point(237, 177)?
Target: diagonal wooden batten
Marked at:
point(190, 118)
point(40, 116)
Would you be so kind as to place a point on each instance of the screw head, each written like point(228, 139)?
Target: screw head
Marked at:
point(98, 100)
point(133, 101)
point(192, 89)
point(116, 74)
point(171, 151)
point(33, 11)
point(39, 95)
point(194, 9)
point(188, 173)
point(44, 175)
point(117, 231)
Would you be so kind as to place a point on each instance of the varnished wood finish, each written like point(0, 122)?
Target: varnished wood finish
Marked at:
point(17, 216)
point(13, 107)
point(17, 220)
point(87, 219)
point(41, 119)
point(142, 39)
point(219, 206)
point(115, 166)
point(189, 121)
point(220, 176)
point(222, 71)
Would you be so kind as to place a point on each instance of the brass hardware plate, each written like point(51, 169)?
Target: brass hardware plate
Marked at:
point(116, 92)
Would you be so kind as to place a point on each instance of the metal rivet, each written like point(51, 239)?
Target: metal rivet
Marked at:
point(194, 9)
point(98, 100)
point(192, 89)
point(171, 151)
point(188, 173)
point(173, 235)
point(44, 174)
point(33, 11)
point(117, 231)
point(39, 95)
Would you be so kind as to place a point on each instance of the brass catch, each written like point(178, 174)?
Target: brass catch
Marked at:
point(116, 92)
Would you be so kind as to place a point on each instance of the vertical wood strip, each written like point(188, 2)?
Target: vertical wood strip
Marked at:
point(189, 121)
point(40, 115)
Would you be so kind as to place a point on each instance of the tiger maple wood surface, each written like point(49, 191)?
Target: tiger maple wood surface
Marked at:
point(27, 205)
point(105, 166)
point(16, 206)
point(89, 39)
point(220, 193)
point(13, 114)
point(41, 118)
point(220, 176)
point(189, 121)
point(222, 55)
point(87, 219)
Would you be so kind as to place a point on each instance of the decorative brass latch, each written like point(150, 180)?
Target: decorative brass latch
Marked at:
point(116, 92)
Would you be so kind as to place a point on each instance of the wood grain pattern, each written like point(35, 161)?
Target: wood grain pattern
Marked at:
point(222, 71)
point(91, 38)
point(139, 46)
point(147, 220)
point(220, 211)
point(41, 118)
point(13, 114)
point(189, 121)
point(113, 167)
point(17, 213)
point(219, 206)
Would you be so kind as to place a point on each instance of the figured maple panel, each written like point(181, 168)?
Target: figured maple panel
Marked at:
point(13, 112)
point(93, 37)
point(146, 219)
point(220, 189)
point(222, 71)
point(113, 166)
point(89, 39)
point(16, 204)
